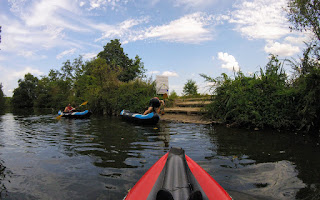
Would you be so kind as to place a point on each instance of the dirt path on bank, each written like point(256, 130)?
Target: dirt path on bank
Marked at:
point(183, 118)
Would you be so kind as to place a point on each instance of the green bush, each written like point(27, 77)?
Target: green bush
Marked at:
point(134, 95)
point(263, 100)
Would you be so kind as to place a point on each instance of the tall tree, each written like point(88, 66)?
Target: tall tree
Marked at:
point(99, 83)
point(190, 88)
point(305, 15)
point(25, 94)
point(115, 57)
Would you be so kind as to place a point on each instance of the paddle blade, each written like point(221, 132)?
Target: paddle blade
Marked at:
point(59, 117)
point(84, 103)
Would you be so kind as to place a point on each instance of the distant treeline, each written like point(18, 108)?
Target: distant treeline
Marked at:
point(269, 98)
point(110, 82)
point(2, 100)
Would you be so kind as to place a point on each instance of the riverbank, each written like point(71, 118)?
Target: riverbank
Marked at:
point(196, 119)
point(188, 110)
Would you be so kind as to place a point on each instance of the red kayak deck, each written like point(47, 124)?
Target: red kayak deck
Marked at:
point(178, 177)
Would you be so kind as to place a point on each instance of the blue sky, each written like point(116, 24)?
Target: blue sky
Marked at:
point(178, 38)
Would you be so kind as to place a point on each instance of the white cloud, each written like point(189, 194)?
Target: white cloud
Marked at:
point(194, 3)
point(9, 77)
point(82, 3)
point(279, 49)
point(229, 62)
point(170, 74)
point(20, 39)
point(66, 52)
point(104, 4)
point(261, 19)
point(299, 40)
point(96, 3)
point(57, 14)
point(88, 56)
point(20, 74)
point(26, 53)
point(193, 28)
point(188, 29)
point(122, 30)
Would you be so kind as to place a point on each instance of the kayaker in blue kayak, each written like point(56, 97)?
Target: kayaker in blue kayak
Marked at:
point(154, 105)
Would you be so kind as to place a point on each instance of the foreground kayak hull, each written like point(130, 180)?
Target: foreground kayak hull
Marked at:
point(75, 115)
point(176, 176)
point(149, 119)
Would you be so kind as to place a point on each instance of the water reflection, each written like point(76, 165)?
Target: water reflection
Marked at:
point(101, 158)
point(4, 173)
point(268, 164)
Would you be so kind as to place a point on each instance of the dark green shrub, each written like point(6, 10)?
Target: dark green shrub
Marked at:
point(263, 100)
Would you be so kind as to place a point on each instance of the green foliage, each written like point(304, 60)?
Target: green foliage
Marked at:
point(269, 99)
point(116, 58)
point(135, 95)
point(308, 88)
point(173, 95)
point(100, 84)
point(2, 100)
point(95, 81)
point(7, 103)
point(53, 91)
point(25, 94)
point(190, 88)
point(107, 94)
point(305, 15)
point(257, 101)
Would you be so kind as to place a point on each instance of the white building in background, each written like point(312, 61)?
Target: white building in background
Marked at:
point(162, 84)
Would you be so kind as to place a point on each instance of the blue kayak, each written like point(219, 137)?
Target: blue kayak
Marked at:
point(149, 119)
point(77, 115)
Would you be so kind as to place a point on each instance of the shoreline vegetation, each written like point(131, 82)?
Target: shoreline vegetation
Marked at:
point(110, 82)
point(267, 99)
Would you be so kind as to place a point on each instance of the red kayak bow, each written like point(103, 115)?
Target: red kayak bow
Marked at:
point(175, 176)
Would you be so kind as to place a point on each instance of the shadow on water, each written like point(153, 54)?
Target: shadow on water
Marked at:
point(101, 157)
point(25, 112)
point(268, 164)
point(4, 173)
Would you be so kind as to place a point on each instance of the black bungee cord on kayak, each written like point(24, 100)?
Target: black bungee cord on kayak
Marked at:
point(178, 181)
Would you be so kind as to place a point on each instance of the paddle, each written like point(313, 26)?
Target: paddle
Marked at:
point(59, 116)
point(84, 103)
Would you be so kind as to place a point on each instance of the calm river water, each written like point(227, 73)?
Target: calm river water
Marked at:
point(102, 158)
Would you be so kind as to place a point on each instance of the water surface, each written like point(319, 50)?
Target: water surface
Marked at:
point(102, 158)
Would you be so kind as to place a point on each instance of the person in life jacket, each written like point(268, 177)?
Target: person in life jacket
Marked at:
point(154, 105)
point(69, 108)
